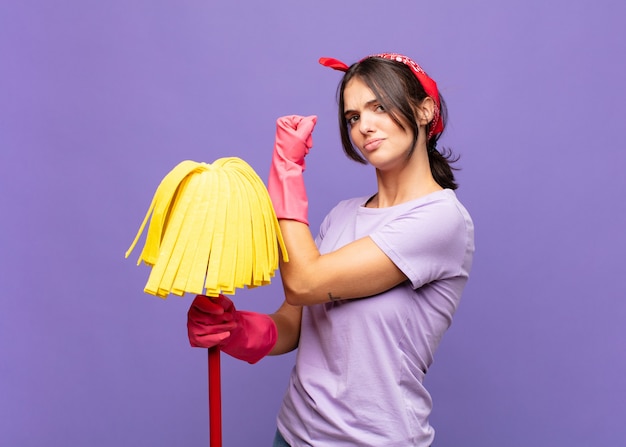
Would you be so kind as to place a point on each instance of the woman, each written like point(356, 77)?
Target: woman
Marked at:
point(369, 299)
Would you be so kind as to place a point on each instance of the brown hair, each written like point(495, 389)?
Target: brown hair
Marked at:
point(399, 92)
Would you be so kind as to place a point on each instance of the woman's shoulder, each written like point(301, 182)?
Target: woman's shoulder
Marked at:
point(351, 204)
point(445, 207)
point(438, 201)
point(440, 213)
point(443, 203)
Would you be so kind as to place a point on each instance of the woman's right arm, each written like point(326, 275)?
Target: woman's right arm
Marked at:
point(288, 319)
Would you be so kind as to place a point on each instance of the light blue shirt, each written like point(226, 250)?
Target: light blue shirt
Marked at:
point(358, 378)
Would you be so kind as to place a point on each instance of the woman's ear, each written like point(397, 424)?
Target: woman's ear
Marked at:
point(425, 111)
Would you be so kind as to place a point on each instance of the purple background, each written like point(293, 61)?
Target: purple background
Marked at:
point(99, 100)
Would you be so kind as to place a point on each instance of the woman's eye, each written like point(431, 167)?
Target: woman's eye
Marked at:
point(353, 119)
point(379, 108)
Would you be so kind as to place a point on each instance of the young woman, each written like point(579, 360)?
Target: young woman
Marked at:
point(369, 299)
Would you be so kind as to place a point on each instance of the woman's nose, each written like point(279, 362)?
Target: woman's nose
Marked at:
point(365, 124)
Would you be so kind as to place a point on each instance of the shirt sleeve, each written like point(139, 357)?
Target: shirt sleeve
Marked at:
point(322, 230)
point(427, 242)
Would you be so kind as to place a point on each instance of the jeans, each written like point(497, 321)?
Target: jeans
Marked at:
point(279, 441)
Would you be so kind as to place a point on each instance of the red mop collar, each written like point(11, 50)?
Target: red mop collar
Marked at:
point(430, 86)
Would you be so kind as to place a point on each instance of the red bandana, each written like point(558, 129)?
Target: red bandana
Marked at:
point(430, 86)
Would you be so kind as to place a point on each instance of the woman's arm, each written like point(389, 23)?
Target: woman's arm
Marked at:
point(359, 269)
point(287, 319)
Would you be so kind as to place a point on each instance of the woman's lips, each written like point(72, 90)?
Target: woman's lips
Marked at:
point(372, 145)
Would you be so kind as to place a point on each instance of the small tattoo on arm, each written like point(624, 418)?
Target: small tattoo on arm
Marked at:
point(333, 298)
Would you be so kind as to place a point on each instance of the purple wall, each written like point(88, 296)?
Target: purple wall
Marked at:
point(98, 100)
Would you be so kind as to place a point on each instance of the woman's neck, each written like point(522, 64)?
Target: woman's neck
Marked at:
point(411, 181)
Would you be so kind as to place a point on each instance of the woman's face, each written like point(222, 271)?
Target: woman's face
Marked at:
point(380, 140)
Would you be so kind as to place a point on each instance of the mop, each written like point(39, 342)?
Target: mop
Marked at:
point(212, 230)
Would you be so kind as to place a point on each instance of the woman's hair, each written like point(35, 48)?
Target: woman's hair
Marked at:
point(399, 92)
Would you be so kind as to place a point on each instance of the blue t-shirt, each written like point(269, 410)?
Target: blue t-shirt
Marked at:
point(361, 362)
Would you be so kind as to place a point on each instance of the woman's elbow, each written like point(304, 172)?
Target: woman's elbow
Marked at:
point(298, 295)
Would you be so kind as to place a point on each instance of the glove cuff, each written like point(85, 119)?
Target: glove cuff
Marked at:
point(253, 339)
point(287, 191)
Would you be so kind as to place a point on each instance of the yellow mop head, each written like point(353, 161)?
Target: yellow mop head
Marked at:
point(213, 227)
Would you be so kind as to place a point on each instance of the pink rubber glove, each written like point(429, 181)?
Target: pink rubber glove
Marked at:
point(286, 185)
point(244, 335)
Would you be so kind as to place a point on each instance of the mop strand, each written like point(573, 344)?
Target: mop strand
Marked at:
point(212, 229)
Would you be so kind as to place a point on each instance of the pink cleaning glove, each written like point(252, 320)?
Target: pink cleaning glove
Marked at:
point(286, 185)
point(244, 335)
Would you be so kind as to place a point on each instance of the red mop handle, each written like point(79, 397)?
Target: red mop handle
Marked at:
point(215, 398)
